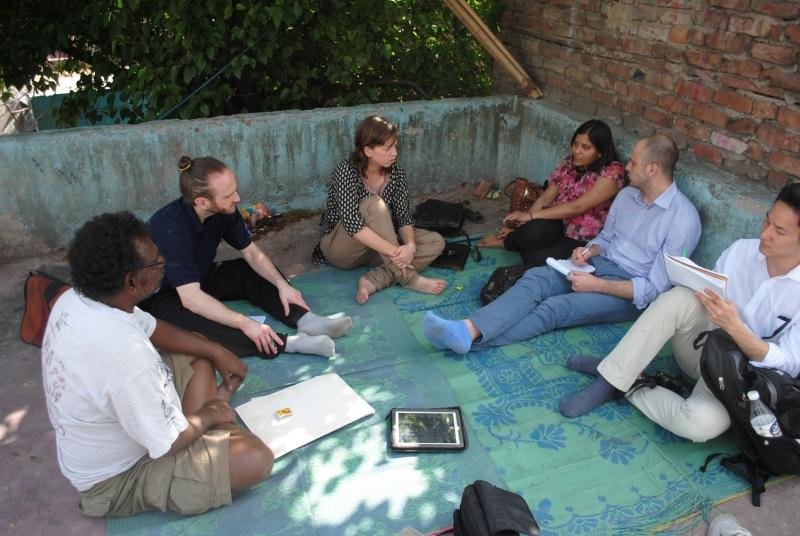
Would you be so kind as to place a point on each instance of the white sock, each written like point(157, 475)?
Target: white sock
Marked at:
point(303, 343)
point(312, 324)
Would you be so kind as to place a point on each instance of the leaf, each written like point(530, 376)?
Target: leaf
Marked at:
point(188, 73)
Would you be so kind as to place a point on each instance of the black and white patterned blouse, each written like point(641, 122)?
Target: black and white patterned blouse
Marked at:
point(346, 190)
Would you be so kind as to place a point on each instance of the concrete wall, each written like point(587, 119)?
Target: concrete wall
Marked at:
point(54, 181)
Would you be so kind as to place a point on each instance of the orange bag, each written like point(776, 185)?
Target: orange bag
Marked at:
point(41, 293)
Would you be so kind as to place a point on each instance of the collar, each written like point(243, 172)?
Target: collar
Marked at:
point(665, 199)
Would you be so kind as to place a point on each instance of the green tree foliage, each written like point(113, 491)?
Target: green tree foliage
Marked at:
point(276, 54)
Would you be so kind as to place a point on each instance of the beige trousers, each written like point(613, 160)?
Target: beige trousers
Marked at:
point(345, 252)
point(679, 317)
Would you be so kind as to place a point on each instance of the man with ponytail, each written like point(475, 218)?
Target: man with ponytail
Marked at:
point(187, 232)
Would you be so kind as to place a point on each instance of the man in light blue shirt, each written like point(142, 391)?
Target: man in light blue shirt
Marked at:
point(648, 219)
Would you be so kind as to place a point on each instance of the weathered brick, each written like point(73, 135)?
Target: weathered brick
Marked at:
point(553, 12)
point(758, 26)
point(605, 97)
point(714, 19)
point(679, 35)
point(653, 32)
point(734, 101)
point(662, 80)
point(582, 105)
point(668, 52)
point(578, 73)
point(585, 35)
point(745, 169)
point(784, 162)
point(646, 13)
point(695, 91)
point(621, 88)
point(748, 85)
point(659, 117)
point(673, 17)
point(746, 68)
point(741, 126)
point(555, 80)
point(777, 54)
point(643, 94)
point(620, 70)
point(778, 138)
point(707, 152)
point(764, 109)
point(755, 151)
point(790, 118)
point(741, 5)
point(709, 115)
point(777, 179)
point(704, 59)
point(723, 141)
point(790, 81)
point(793, 34)
point(674, 104)
point(611, 42)
point(634, 45)
point(630, 105)
point(693, 129)
point(728, 42)
point(783, 10)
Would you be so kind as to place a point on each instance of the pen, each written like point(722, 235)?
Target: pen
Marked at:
point(683, 252)
point(582, 253)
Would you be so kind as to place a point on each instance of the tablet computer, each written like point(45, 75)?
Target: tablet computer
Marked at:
point(436, 429)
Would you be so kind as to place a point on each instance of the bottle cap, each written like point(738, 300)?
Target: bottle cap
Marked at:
point(753, 395)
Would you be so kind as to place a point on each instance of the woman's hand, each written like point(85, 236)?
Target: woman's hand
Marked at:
point(518, 216)
point(504, 232)
point(403, 255)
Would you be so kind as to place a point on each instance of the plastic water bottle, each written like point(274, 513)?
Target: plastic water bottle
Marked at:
point(762, 419)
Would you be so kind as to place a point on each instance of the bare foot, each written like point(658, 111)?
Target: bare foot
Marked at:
point(491, 242)
point(428, 285)
point(365, 289)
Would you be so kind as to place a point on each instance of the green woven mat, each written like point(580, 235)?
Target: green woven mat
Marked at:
point(611, 471)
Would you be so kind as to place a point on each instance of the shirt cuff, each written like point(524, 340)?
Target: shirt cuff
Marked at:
point(640, 294)
point(773, 359)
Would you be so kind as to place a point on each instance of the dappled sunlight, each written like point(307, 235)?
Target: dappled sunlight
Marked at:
point(10, 426)
point(344, 480)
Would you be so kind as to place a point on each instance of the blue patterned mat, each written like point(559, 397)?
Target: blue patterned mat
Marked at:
point(609, 472)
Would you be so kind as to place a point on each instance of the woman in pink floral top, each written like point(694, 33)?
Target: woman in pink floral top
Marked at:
point(575, 204)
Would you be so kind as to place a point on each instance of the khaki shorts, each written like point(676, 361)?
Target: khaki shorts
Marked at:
point(192, 481)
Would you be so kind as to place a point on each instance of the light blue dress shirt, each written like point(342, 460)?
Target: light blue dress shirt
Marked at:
point(637, 235)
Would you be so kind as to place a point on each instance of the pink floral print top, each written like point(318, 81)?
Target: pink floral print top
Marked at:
point(571, 186)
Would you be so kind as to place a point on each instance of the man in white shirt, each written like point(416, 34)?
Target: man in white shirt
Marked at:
point(134, 431)
point(760, 312)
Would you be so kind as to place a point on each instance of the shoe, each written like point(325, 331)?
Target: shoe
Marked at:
point(726, 525)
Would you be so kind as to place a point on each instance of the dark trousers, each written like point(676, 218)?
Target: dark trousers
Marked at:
point(538, 239)
point(227, 280)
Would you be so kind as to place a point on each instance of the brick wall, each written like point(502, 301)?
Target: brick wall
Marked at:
point(720, 76)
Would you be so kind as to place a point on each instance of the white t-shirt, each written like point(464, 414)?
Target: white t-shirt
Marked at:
point(109, 395)
point(769, 306)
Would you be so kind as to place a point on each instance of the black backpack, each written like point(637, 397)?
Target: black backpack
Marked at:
point(730, 375)
point(487, 510)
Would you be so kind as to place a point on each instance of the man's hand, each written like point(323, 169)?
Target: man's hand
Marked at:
point(262, 336)
point(288, 295)
point(580, 256)
point(583, 282)
point(216, 412)
point(721, 312)
point(232, 369)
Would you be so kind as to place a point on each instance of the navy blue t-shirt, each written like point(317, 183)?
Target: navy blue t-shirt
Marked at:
point(191, 246)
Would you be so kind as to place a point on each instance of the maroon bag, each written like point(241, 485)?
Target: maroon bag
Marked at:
point(41, 293)
point(523, 194)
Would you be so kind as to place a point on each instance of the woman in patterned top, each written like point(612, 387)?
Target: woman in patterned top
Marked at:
point(575, 204)
point(367, 220)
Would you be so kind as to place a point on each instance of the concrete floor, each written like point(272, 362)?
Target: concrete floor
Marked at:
point(37, 499)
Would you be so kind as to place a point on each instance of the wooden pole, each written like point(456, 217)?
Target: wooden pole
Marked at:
point(493, 46)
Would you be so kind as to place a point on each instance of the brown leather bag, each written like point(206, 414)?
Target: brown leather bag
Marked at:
point(523, 194)
point(41, 293)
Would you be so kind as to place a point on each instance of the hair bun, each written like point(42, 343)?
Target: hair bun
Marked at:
point(184, 164)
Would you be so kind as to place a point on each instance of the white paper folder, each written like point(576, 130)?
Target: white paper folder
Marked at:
point(319, 406)
point(682, 271)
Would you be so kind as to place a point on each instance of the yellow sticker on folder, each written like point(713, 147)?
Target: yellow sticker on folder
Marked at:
point(283, 413)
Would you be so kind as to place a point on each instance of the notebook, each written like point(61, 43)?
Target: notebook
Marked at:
point(684, 272)
point(316, 407)
point(566, 267)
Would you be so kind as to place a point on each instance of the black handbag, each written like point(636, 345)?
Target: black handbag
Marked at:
point(487, 510)
point(455, 254)
point(500, 281)
point(444, 217)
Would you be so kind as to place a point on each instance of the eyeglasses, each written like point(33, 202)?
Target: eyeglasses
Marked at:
point(161, 263)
